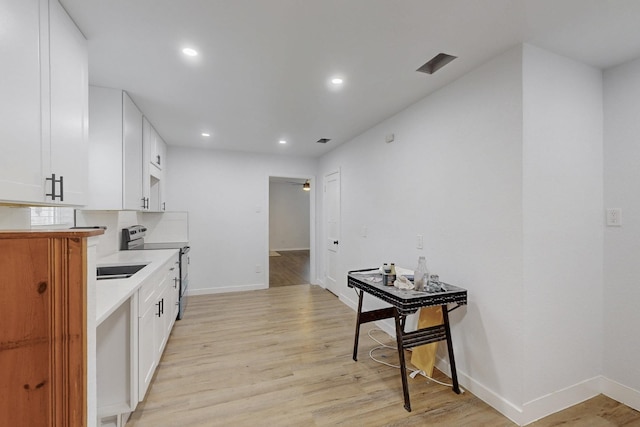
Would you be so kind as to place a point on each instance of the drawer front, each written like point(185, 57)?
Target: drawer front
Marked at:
point(152, 287)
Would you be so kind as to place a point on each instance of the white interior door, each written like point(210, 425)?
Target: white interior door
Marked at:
point(332, 230)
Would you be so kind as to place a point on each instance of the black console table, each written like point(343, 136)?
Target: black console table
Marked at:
point(403, 303)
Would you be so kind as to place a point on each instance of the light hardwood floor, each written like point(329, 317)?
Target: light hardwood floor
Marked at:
point(282, 357)
point(290, 268)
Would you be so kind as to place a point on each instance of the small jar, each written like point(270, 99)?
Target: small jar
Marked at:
point(434, 284)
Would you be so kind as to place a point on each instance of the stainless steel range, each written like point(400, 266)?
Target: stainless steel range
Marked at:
point(133, 239)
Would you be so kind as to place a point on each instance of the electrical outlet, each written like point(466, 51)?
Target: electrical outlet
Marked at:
point(419, 242)
point(258, 268)
point(614, 217)
point(364, 231)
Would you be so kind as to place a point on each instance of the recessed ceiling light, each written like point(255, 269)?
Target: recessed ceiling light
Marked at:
point(190, 52)
point(282, 141)
point(205, 134)
point(337, 81)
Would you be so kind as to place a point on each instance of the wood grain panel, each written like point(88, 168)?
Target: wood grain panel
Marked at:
point(42, 338)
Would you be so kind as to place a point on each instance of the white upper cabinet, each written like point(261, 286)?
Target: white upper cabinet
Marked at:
point(69, 105)
point(153, 159)
point(43, 105)
point(115, 151)
point(20, 115)
point(158, 150)
point(133, 197)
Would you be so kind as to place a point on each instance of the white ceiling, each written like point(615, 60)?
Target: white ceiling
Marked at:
point(263, 69)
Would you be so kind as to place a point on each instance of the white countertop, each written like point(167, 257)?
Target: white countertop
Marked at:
point(111, 293)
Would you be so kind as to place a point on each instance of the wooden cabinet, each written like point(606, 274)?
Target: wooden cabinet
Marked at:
point(157, 299)
point(43, 338)
point(43, 105)
point(115, 151)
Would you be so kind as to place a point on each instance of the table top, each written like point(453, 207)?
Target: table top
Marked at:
point(405, 300)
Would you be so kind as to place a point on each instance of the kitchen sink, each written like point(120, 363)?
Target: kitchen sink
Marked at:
point(118, 271)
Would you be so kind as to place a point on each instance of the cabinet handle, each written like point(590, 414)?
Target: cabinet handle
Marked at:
point(159, 313)
point(145, 203)
point(162, 305)
point(175, 283)
point(53, 194)
point(158, 157)
point(164, 206)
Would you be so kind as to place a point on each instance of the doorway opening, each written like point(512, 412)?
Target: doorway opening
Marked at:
point(290, 231)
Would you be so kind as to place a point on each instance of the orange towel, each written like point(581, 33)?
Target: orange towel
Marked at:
point(424, 356)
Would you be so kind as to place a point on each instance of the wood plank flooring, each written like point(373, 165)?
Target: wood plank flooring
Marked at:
point(290, 268)
point(282, 357)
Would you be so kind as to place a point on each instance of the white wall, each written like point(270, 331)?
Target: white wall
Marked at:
point(288, 217)
point(454, 175)
point(226, 195)
point(622, 248)
point(502, 172)
point(562, 229)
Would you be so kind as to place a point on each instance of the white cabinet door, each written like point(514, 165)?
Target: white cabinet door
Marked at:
point(43, 104)
point(152, 173)
point(173, 293)
point(132, 155)
point(148, 135)
point(20, 115)
point(146, 349)
point(161, 324)
point(69, 104)
point(158, 150)
point(105, 148)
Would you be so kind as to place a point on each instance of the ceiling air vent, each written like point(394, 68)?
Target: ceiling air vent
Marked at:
point(323, 140)
point(435, 63)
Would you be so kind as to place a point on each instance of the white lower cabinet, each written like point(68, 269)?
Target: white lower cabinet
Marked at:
point(130, 343)
point(115, 365)
point(157, 301)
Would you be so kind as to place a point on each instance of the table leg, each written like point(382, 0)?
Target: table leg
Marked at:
point(400, 320)
point(357, 336)
point(452, 360)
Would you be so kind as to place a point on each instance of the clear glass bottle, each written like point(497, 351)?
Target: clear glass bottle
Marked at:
point(420, 274)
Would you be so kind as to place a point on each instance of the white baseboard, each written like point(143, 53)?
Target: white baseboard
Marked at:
point(621, 393)
point(225, 289)
point(290, 249)
point(499, 403)
point(559, 400)
point(543, 406)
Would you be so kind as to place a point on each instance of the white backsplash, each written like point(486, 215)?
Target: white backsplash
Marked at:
point(161, 227)
point(15, 218)
point(165, 226)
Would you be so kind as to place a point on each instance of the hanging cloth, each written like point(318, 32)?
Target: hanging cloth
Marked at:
point(424, 357)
